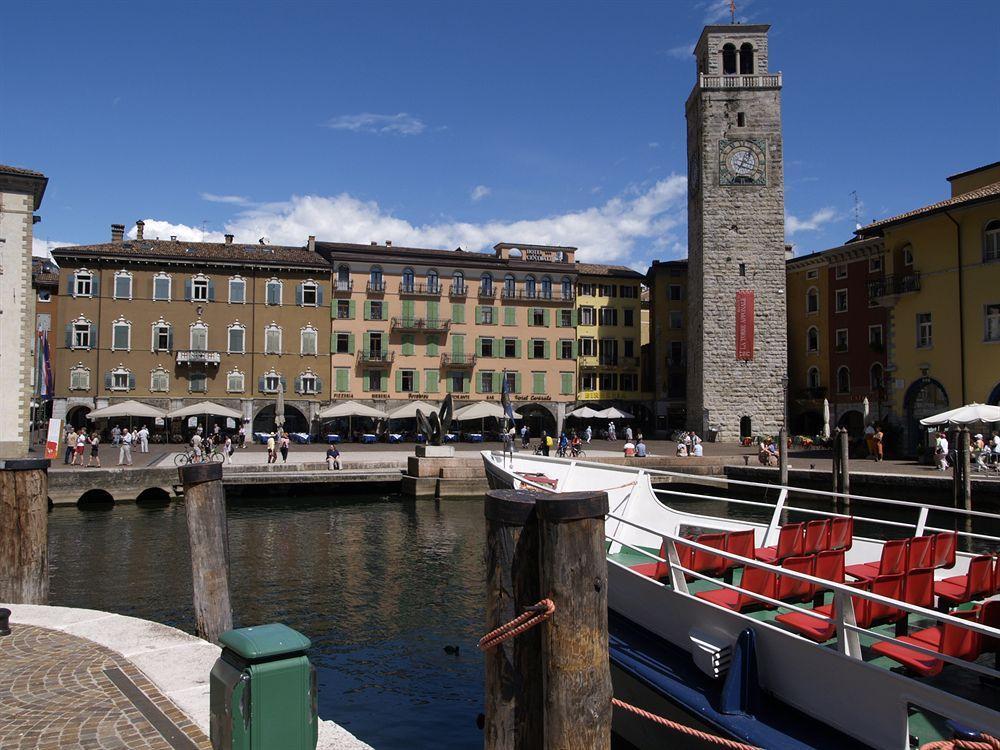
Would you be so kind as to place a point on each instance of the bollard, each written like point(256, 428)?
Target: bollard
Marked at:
point(24, 530)
point(961, 478)
point(574, 575)
point(513, 669)
point(843, 479)
point(783, 457)
point(4, 621)
point(205, 508)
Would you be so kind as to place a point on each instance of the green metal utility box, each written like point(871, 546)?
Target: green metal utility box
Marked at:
point(263, 691)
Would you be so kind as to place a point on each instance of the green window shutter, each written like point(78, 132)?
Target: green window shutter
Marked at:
point(407, 344)
point(368, 310)
point(497, 351)
point(547, 349)
point(567, 383)
point(538, 382)
point(458, 345)
point(416, 380)
point(574, 349)
point(399, 380)
point(351, 309)
point(382, 378)
point(350, 343)
point(517, 349)
point(432, 346)
point(517, 382)
point(545, 317)
point(368, 342)
point(364, 382)
point(343, 376)
point(449, 384)
point(479, 382)
point(408, 309)
point(432, 310)
point(431, 380)
point(531, 348)
point(479, 315)
point(458, 313)
point(467, 383)
point(575, 318)
point(333, 341)
point(509, 316)
point(479, 346)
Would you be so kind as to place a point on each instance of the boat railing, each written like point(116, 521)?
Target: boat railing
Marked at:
point(846, 630)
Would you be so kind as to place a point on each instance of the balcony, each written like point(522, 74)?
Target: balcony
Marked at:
point(341, 286)
point(420, 290)
point(588, 362)
point(458, 290)
point(727, 82)
point(376, 287)
point(379, 356)
point(892, 286)
point(487, 292)
point(458, 360)
point(420, 324)
point(630, 361)
point(676, 361)
point(812, 394)
point(528, 295)
point(198, 358)
point(568, 296)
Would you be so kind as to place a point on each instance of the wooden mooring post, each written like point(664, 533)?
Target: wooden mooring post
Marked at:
point(24, 530)
point(783, 457)
point(205, 508)
point(514, 668)
point(842, 468)
point(961, 481)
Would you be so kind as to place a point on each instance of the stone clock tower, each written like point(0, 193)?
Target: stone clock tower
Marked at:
point(736, 237)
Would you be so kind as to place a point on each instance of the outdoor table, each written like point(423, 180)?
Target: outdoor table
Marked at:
point(475, 437)
point(300, 437)
point(395, 437)
point(369, 438)
point(333, 438)
point(451, 437)
point(261, 437)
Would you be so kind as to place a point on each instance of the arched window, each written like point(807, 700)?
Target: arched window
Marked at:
point(746, 58)
point(843, 380)
point(407, 279)
point(812, 339)
point(991, 242)
point(199, 337)
point(343, 279)
point(432, 281)
point(458, 283)
point(236, 339)
point(159, 380)
point(509, 285)
point(546, 287)
point(529, 286)
point(121, 335)
point(729, 60)
point(375, 281)
point(273, 288)
point(875, 377)
point(812, 377)
point(486, 285)
point(308, 340)
point(272, 339)
point(812, 300)
point(235, 382)
point(567, 288)
point(123, 285)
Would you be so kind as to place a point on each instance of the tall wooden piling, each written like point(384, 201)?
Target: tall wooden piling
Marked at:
point(24, 530)
point(783, 457)
point(842, 467)
point(514, 668)
point(574, 575)
point(962, 479)
point(205, 508)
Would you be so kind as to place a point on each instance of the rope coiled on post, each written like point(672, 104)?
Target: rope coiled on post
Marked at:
point(532, 616)
point(985, 742)
point(683, 729)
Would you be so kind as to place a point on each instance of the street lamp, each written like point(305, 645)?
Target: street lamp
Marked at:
point(784, 401)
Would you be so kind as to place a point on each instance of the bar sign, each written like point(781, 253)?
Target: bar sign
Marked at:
point(744, 325)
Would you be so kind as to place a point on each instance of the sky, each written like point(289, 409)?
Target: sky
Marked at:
point(467, 123)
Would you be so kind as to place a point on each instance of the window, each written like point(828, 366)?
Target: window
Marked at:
point(843, 380)
point(237, 291)
point(509, 285)
point(812, 300)
point(123, 285)
point(875, 377)
point(486, 346)
point(310, 294)
point(486, 382)
point(925, 337)
point(235, 382)
point(875, 339)
point(608, 381)
point(308, 384)
point(587, 289)
point(83, 284)
point(375, 280)
point(746, 58)
point(308, 340)
point(813, 274)
point(812, 377)
point(588, 381)
point(629, 291)
point(607, 290)
point(200, 289)
point(991, 242)
point(272, 292)
point(675, 355)
point(567, 288)
point(343, 278)
point(840, 339)
point(486, 285)
point(875, 264)
point(159, 381)
point(510, 347)
point(81, 337)
point(565, 318)
point(676, 319)
point(44, 295)
point(199, 337)
point(529, 286)
point(272, 339)
point(511, 378)
point(741, 119)
point(992, 323)
point(342, 343)
point(237, 339)
point(674, 293)
point(120, 380)
point(121, 335)
point(628, 318)
point(375, 310)
point(406, 378)
point(841, 300)
point(161, 337)
point(588, 347)
point(629, 381)
point(812, 339)
point(197, 382)
point(608, 316)
point(458, 282)
point(538, 348)
point(907, 256)
point(565, 349)
point(537, 316)
point(407, 280)
point(586, 316)
point(433, 283)
point(628, 348)
point(546, 287)
point(486, 315)
point(79, 378)
point(270, 382)
point(841, 271)
point(343, 309)
point(608, 351)
point(161, 287)
point(729, 59)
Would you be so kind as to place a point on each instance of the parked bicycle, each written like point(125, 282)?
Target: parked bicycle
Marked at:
point(215, 455)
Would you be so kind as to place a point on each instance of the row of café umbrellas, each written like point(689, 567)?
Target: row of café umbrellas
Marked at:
point(145, 411)
point(585, 412)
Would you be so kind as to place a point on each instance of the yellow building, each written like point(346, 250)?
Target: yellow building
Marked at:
point(807, 292)
point(942, 290)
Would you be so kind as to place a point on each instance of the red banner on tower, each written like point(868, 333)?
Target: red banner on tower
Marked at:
point(744, 325)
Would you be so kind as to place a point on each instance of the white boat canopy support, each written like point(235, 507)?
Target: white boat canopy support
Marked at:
point(968, 414)
point(127, 409)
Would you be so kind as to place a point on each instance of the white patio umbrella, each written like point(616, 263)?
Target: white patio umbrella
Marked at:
point(409, 411)
point(127, 409)
point(481, 410)
point(613, 413)
point(968, 414)
point(584, 412)
point(826, 418)
point(205, 407)
point(866, 410)
point(351, 409)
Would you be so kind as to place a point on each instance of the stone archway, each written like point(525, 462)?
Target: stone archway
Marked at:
point(295, 419)
point(994, 399)
point(538, 417)
point(924, 398)
point(854, 421)
point(77, 416)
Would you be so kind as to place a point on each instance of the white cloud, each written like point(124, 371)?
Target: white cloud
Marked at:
point(718, 11)
point(654, 144)
point(619, 230)
point(43, 248)
point(817, 220)
point(164, 230)
point(479, 192)
point(681, 52)
point(401, 123)
point(236, 200)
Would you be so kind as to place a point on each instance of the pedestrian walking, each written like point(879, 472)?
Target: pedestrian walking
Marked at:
point(125, 449)
point(196, 445)
point(228, 449)
point(878, 441)
point(116, 435)
point(81, 444)
point(545, 442)
point(242, 436)
point(284, 447)
point(628, 433)
point(525, 435)
point(612, 435)
point(95, 443)
point(589, 433)
point(144, 439)
point(70, 445)
point(271, 452)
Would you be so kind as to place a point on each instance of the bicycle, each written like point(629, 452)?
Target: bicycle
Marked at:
point(188, 457)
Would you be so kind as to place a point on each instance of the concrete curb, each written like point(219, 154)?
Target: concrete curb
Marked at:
point(176, 662)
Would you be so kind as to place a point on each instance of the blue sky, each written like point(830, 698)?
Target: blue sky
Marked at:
point(468, 123)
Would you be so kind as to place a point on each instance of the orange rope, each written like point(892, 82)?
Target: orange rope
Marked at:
point(532, 616)
point(985, 742)
point(689, 731)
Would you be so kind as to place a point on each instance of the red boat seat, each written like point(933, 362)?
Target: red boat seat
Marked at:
point(946, 638)
point(792, 589)
point(830, 565)
point(893, 561)
point(920, 552)
point(977, 582)
point(740, 543)
point(539, 479)
point(789, 545)
point(891, 587)
point(841, 532)
point(989, 615)
point(655, 570)
point(755, 581)
point(817, 537)
point(945, 544)
point(918, 587)
point(866, 612)
point(706, 562)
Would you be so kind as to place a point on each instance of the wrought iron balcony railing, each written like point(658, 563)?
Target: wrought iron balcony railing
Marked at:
point(198, 357)
point(458, 360)
point(487, 292)
point(376, 287)
point(420, 324)
point(888, 286)
point(420, 290)
point(341, 285)
point(378, 355)
point(458, 290)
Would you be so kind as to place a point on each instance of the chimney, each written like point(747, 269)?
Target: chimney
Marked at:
point(388, 243)
point(138, 229)
point(312, 243)
point(173, 238)
point(374, 243)
point(229, 239)
point(117, 233)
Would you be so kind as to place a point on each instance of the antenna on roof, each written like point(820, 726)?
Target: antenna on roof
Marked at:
point(261, 241)
point(204, 228)
point(857, 209)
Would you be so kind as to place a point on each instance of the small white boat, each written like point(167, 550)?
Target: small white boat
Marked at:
point(789, 631)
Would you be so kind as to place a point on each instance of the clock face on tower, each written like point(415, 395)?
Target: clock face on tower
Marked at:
point(742, 162)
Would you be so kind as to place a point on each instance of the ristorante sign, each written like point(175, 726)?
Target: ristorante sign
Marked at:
point(744, 325)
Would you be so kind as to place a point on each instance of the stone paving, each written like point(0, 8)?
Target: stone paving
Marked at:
point(55, 693)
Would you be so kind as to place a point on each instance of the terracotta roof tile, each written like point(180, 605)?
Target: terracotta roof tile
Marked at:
point(987, 191)
point(598, 269)
point(20, 171)
point(268, 255)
